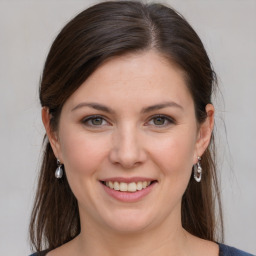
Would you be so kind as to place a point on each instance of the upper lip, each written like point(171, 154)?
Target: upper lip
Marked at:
point(127, 179)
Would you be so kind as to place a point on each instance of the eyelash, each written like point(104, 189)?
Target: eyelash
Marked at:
point(166, 118)
point(88, 119)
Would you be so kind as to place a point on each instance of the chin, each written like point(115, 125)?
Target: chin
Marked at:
point(129, 222)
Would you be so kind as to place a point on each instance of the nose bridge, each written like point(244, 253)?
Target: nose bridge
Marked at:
point(127, 149)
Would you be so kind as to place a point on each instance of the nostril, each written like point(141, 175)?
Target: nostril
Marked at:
point(127, 153)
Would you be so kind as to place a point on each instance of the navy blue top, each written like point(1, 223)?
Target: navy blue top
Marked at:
point(231, 251)
point(224, 251)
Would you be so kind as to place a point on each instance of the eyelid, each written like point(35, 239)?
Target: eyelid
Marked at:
point(168, 118)
point(88, 118)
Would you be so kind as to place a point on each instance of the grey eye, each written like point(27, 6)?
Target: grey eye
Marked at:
point(159, 120)
point(94, 121)
point(97, 121)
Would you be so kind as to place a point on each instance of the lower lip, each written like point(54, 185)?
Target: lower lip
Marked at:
point(129, 197)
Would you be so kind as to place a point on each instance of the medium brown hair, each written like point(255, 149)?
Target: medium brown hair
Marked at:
point(101, 32)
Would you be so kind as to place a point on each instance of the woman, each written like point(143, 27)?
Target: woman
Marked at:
point(128, 167)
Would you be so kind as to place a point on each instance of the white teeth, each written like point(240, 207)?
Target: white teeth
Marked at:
point(123, 186)
point(139, 185)
point(111, 185)
point(116, 185)
point(130, 187)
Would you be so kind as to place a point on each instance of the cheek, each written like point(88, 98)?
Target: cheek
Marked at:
point(175, 153)
point(174, 157)
point(81, 154)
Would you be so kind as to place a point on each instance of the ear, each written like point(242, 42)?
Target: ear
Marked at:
point(52, 135)
point(205, 132)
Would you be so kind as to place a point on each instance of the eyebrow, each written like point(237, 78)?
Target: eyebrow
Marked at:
point(95, 106)
point(160, 106)
point(144, 110)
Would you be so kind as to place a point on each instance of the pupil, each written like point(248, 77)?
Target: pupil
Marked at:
point(97, 121)
point(159, 121)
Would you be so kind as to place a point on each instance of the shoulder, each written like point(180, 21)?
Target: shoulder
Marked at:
point(43, 253)
point(226, 250)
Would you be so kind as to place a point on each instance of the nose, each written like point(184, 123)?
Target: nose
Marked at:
point(127, 148)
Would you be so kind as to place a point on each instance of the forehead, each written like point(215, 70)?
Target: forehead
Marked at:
point(133, 79)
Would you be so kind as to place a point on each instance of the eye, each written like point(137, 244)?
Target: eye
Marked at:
point(161, 120)
point(94, 121)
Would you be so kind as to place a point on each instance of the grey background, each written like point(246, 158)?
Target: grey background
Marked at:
point(228, 30)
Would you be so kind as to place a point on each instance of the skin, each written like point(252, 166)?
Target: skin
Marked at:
point(128, 142)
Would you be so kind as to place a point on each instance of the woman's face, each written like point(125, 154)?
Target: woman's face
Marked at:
point(131, 125)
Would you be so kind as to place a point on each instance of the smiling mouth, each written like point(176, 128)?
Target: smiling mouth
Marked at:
point(127, 187)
